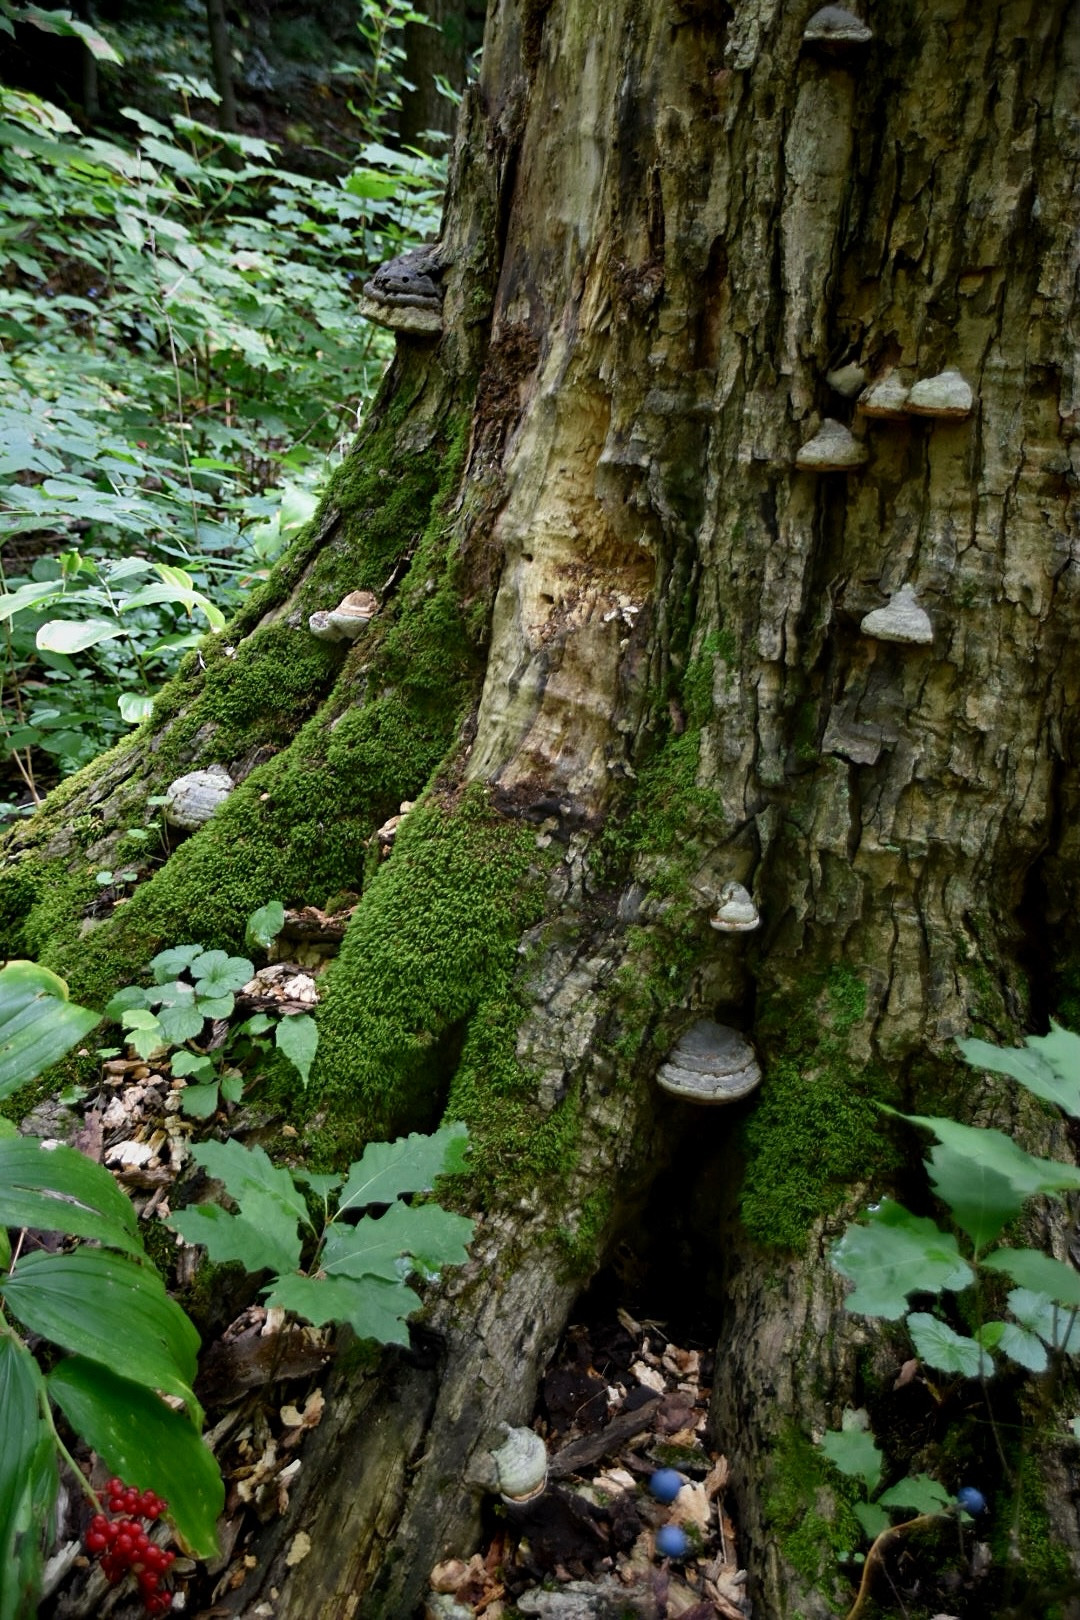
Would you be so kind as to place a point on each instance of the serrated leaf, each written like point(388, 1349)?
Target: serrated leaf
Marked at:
point(263, 1234)
point(170, 964)
point(1040, 1272)
point(1000, 1153)
point(873, 1519)
point(981, 1199)
point(372, 1307)
point(918, 1492)
point(214, 1006)
point(410, 1164)
point(92, 1302)
point(28, 1480)
point(940, 1347)
point(298, 1038)
point(1057, 1325)
point(893, 1254)
point(218, 974)
point(854, 1453)
point(1047, 1065)
point(427, 1236)
point(56, 1189)
point(145, 1443)
point(38, 1024)
point(264, 925)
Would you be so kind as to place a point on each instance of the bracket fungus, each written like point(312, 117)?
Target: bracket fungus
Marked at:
point(835, 28)
point(404, 294)
point(521, 1464)
point(191, 800)
point(846, 380)
point(946, 394)
point(345, 622)
point(833, 448)
point(901, 619)
point(736, 913)
point(711, 1063)
point(887, 397)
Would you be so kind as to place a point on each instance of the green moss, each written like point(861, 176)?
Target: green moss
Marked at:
point(41, 908)
point(1023, 1539)
point(420, 1013)
point(583, 1244)
point(816, 1130)
point(811, 1519)
point(670, 818)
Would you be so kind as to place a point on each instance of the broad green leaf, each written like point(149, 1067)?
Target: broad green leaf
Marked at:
point(56, 1189)
point(1000, 1153)
point(109, 1309)
point(981, 1199)
point(32, 595)
point(372, 1307)
point(937, 1345)
point(263, 1234)
point(146, 1443)
point(232, 1087)
point(298, 1038)
point(425, 1238)
point(76, 635)
point(410, 1164)
point(214, 1006)
point(38, 1024)
point(321, 1185)
point(135, 707)
point(192, 1065)
point(854, 1453)
point(1037, 1271)
point(873, 1519)
point(170, 964)
point(1048, 1065)
point(199, 1102)
point(1057, 1325)
point(217, 974)
point(1016, 1342)
point(177, 596)
point(918, 1492)
point(132, 995)
point(264, 925)
point(28, 1480)
point(179, 1016)
point(894, 1254)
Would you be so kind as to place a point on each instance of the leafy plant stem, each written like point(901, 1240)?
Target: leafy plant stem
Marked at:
point(73, 1467)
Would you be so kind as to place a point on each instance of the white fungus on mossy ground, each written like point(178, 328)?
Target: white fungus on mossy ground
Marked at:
point(191, 800)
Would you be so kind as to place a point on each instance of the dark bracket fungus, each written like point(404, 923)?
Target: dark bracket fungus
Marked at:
point(405, 293)
point(711, 1063)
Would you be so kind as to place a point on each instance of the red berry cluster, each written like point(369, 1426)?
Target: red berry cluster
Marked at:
point(121, 1543)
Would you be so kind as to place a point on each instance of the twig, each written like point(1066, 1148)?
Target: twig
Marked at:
point(877, 1553)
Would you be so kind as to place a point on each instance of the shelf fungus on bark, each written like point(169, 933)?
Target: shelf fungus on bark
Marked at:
point(736, 912)
point(847, 380)
point(405, 295)
point(348, 620)
point(833, 448)
point(886, 398)
point(191, 800)
point(834, 28)
point(901, 619)
point(711, 1063)
point(947, 394)
point(521, 1465)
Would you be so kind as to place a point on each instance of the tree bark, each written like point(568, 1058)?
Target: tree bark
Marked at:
point(217, 28)
point(620, 649)
point(430, 51)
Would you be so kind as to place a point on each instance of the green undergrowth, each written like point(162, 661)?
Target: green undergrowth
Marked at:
point(298, 827)
point(420, 1010)
point(807, 1513)
point(815, 1128)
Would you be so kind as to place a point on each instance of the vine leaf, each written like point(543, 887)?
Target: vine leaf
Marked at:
point(298, 1038)
point(940, 1347)
point(427, 1236)
point(1016, 1342)
point(263, 1234)
point(981, 1198)
point(373, 1307)
point(411, 1164)
point(918, 1492)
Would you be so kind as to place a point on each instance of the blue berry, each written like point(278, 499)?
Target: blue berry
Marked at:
point(665, 1484)
point(671, 1542)
point(971, 1500)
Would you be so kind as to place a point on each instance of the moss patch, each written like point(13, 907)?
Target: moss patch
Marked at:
point(811, 1519)
point(816, 1130)
point(420, 1012)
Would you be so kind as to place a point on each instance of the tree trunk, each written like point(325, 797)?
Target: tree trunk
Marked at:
point(620, 653)
point(217, 28)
